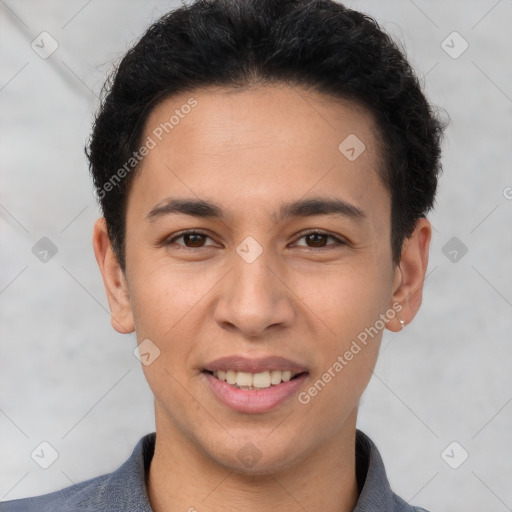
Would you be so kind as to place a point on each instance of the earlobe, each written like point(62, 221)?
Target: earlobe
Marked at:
point(114, 280)
point(411, 275)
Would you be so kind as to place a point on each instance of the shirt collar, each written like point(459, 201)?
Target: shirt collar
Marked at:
point(127, 485)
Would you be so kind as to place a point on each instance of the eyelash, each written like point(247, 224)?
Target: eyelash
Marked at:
point(339, 242)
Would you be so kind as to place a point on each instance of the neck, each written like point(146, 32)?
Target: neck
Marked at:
point(184, 478)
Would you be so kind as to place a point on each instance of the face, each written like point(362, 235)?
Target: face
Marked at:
point(252, 283)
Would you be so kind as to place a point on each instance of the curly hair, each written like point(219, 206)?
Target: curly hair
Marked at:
point(319, 44)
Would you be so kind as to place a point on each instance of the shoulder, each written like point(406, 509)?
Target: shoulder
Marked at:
point(376, 494)
point(402, 506)
point(123, 489)
point(85, 496)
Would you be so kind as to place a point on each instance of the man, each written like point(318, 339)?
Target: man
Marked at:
point(264, 168)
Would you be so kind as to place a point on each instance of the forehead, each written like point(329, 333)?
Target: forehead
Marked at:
point(256, 146)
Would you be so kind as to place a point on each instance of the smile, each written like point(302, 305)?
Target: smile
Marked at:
point(252, 381)
point(250, 399)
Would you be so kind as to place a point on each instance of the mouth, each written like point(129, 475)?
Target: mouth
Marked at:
point(255, 381)
point(254, 386)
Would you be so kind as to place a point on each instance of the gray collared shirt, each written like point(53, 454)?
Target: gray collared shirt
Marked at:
point(124, 490)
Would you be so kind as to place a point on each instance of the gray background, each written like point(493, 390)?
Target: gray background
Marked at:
point(66, 377)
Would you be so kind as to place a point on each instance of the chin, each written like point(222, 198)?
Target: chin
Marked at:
point(258, 456)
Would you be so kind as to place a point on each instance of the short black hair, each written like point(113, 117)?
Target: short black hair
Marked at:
point(318, 44)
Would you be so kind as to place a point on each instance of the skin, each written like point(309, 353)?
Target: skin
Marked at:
point(197, 299)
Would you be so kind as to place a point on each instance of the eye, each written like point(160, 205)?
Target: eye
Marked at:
point(315, 235)
point(195, 238)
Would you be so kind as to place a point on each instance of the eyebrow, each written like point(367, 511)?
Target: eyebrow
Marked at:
point(300, 208)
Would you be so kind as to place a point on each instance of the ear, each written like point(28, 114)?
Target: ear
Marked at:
point(410, 275)
point(113, 280)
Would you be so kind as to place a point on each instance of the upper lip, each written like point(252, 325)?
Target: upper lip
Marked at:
point(249, 365)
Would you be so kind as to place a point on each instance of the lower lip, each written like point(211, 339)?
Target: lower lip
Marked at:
point(254, 401)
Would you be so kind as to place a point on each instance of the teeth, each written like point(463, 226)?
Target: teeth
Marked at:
point(260, 380)
point(243, 379)
point(275, 376)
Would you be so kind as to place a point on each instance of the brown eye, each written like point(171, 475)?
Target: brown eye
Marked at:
point(314, 240)
point(193, 238)
point(318, 240)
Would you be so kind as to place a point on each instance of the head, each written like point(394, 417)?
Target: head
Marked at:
point(254, 123)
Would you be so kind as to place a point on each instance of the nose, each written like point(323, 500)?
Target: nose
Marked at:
point(254, 297)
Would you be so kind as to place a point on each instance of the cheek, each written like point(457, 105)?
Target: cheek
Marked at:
point(347, 350)
point(351, 346)
point(335, 303)
point(163, 297)
point(165, 310)
point(346, 300)
point(350, 308)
